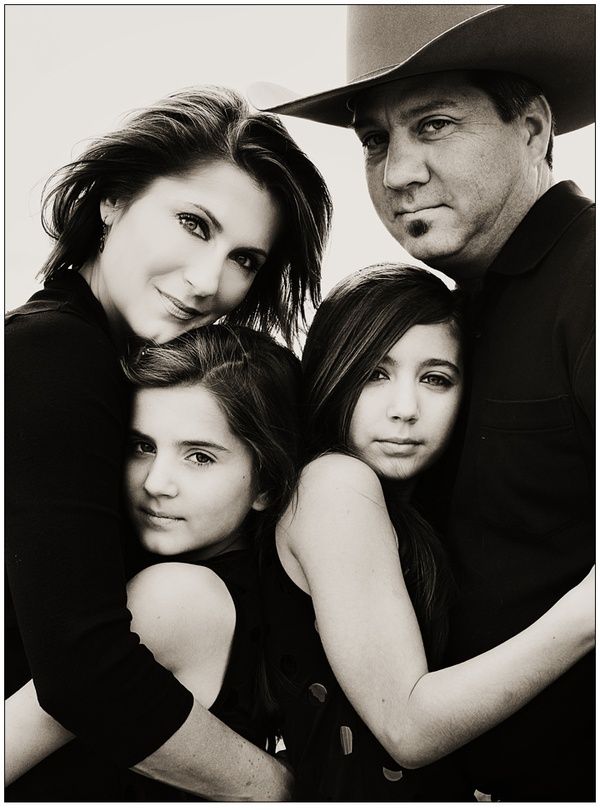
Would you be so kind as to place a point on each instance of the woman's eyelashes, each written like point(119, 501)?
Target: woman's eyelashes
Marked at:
point(201, 228)
point(194, 225)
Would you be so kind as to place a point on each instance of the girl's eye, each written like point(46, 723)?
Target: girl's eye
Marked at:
point(377, 375)
point(246, 261)
point(374, 141)
point(201, 459)
point(434, 125)
point(437, 380)
point(195, 225)
point(141, 448)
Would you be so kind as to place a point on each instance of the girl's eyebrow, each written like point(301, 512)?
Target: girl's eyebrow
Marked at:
point(431, 361)
point(187, 443)
point(137, 434)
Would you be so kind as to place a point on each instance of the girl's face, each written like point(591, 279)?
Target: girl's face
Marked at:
point(186, 251)
point(190, 481)
point(407, 409)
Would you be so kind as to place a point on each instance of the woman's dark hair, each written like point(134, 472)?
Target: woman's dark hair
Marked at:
point(257, 384)
point(174, 136)
point(355, 326)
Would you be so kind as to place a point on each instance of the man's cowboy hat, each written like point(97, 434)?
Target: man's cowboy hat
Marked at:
point(553, 46)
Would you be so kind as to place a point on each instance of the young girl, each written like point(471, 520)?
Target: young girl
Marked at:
point(354, 561)
point(212, 462)
point(198, 208)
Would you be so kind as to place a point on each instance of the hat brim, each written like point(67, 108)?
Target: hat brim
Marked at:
point(553, 46)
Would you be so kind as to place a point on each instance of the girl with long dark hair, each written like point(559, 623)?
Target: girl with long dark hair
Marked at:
point(197, 209)
point(356, 585)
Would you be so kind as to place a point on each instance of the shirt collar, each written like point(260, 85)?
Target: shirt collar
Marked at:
point(540, 229)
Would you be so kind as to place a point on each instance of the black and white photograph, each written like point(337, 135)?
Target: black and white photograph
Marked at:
point(299, 389)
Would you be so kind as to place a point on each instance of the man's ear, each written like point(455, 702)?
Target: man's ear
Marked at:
point(261, 502)
point(109, 209)
point(537, 119)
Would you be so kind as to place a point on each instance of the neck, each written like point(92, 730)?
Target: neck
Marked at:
point(470, 270)
point(119, 330)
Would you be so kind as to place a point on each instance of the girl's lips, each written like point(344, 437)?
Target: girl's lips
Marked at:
point(157, 518)
point(177, 308)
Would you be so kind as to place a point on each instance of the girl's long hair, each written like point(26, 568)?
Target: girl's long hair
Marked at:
point(175, 135)
point(356, 325)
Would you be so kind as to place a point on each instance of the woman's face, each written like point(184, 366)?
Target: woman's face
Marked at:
point(186, 251)
point(190, 481)
point(407, 409)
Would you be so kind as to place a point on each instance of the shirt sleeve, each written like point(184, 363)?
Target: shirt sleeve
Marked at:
point(64, 450)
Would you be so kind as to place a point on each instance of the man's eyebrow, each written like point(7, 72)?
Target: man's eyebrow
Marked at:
point(361, 122)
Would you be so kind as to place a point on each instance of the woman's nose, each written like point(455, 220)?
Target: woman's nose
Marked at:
point(204, 275)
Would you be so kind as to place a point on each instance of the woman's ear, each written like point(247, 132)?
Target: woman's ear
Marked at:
point(108, 211)
point(262, 502)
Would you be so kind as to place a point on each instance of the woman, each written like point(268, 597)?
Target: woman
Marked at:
point(212, 462)
point(354, 562)
point(197, 209)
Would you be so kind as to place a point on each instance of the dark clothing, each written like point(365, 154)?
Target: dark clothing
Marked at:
point(67, 620)
point(238, 703)
point(334, 755)
point(522, 517)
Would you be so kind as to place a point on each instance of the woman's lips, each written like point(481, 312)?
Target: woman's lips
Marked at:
point(177, 308)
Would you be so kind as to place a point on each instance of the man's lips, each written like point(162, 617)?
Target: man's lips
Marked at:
point(407, 212)
point(177, 308)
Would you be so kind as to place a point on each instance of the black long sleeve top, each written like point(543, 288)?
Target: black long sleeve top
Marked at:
point(68, 625)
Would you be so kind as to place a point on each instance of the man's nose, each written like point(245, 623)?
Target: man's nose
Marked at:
point(405, 163)
point(159, 483)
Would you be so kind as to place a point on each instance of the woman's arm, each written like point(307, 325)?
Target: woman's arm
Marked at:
point(65, 427)
point(371, 637)
point(185, 615)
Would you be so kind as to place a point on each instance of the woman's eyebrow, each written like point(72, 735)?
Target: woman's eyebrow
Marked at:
point(437, 361)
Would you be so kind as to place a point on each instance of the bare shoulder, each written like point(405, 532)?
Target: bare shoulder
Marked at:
point(180, 608)
point(336, 493)
point(340, 473)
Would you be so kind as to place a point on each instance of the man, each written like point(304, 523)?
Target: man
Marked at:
point(456, 108)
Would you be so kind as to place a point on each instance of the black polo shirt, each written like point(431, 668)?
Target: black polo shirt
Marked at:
point(522, 513)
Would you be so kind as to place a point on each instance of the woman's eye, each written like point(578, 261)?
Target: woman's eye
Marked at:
point(195, 225)
point(374, 141)
point(434, 125)
point(201, 459)
point(437, 380)
point(247, 261)
point(377, 375)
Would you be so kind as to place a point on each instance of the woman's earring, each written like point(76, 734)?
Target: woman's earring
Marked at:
point(103, 236)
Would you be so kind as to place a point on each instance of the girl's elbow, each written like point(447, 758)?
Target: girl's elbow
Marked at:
point(411, 748)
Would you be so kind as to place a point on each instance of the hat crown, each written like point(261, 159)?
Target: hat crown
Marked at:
point(380, 37)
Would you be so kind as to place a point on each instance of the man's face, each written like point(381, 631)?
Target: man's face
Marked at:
point(449, 179)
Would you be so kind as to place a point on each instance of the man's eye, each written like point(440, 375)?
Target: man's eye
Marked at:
point(194, 224)
point(373, 141)
point(434, 125)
